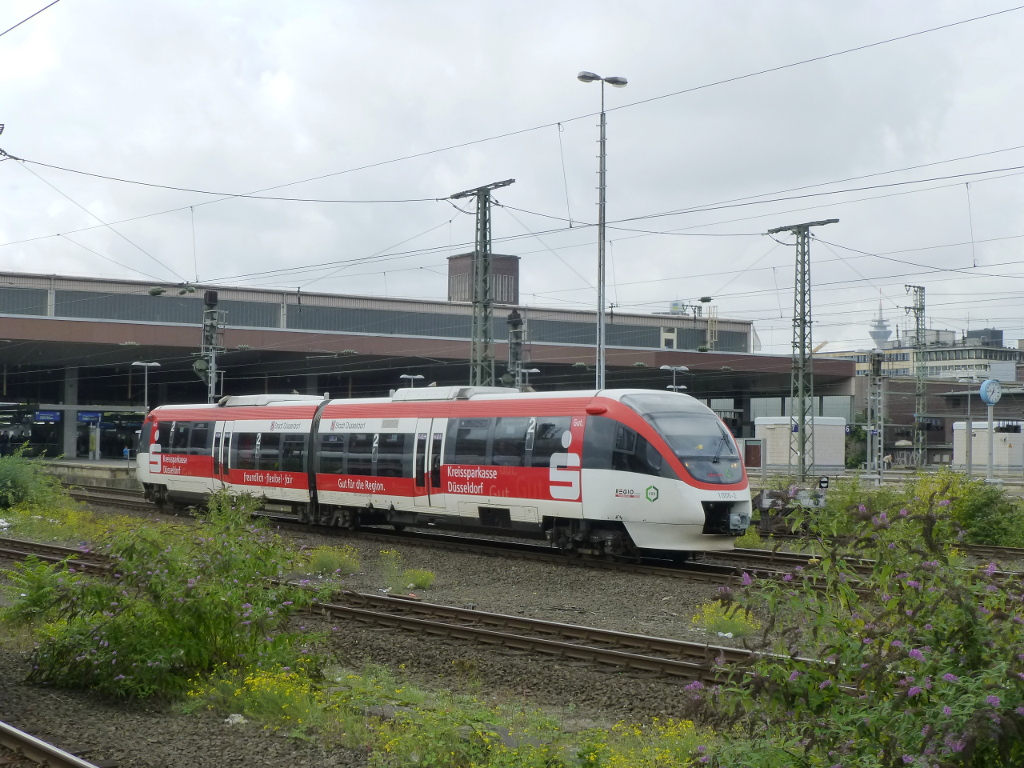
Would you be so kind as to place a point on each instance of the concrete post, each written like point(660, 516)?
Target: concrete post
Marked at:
point(70, 415)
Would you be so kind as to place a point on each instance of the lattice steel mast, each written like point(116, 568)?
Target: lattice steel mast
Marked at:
point(920, 372)
point(801, 388)
point(481, 356)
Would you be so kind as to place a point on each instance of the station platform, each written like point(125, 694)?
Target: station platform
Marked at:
point(100, 473)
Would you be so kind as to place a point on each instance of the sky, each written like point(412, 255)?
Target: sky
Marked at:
point(739, 117)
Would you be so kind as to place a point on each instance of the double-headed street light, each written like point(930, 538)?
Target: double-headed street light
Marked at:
point(412, 378)
point(675, 369)
point(617, 82)
point(145, 386)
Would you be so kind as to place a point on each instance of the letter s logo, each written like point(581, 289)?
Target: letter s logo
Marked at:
point(155, 459)
point(564, 472)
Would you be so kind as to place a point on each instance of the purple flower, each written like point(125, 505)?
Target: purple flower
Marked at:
point(696, 685)
point(949, 677)
point(915, 653)
point(896, 643)
point(1019, 710)
point(944, 503)
point(787, 577)
point(862, 508)
point(747, 579)
point(992, 701)
point(793, 676)
point(904, 513)
point(907, 759)
point(991, 568)
point(947, 711)
point(868, 641)
point(824, 684)
point(915, 690)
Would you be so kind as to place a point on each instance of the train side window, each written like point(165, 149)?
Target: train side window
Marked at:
point(421, 460)
point(199, 442)
point(598, 441)
point(163, 435)
point(392, 450)
point(360, 453)
point(610, 445)
point(269, 454)
point(435, 459)
point(293, 453)
point(216, 453)
point(332, 454)
point(179, 437)
point(245, 447)
point(510, 441)
point(472, 440)
point(547, 438)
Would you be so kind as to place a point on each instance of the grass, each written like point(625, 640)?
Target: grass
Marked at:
point(717, 618)
point(342, 561)
point(399, 579)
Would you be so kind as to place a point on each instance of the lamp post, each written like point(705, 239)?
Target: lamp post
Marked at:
point(145, 380)
point(526, 375)
point(675, 369)
point(617, 82)
point(412, 378)
point(970, 428)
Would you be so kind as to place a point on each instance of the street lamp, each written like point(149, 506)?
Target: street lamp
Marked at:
point(412, 378)
point(145, 377)
point(675, 369)
point(970, 426)
point(617, 82)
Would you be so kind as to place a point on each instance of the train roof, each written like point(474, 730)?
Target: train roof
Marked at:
point(435, 394)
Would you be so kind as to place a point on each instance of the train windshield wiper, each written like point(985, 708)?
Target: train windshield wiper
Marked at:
point(718, 452)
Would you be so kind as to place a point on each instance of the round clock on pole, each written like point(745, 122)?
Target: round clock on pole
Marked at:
point(991, 391)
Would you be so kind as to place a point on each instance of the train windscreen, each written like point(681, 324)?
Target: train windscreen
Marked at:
point(698, 439)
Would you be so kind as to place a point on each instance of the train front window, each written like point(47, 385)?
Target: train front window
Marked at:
point(698, 439)
point(702, 444)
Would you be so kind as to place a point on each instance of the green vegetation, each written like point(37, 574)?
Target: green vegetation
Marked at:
point(732, 620)
point(180, 602)
point(325, 561)
point(399, 579)
point(24, 482)
point(920, 661)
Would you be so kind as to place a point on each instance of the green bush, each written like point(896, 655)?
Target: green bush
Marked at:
point(180, 603)
point(919, 662)
point(24, 481)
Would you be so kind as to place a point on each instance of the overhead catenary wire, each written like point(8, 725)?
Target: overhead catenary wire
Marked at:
point(28, 18)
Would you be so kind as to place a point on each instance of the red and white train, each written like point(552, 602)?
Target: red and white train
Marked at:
point(613, 472)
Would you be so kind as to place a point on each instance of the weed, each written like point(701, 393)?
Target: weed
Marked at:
point(733, 619)
point(342, 560)
point(416, 578)
point(751, 539)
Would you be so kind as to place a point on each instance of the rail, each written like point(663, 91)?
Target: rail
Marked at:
point(39, 751)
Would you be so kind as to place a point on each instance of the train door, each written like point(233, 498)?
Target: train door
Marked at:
point(222, 452)
point(427, 490)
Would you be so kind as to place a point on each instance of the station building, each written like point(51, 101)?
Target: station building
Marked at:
point(68, 344)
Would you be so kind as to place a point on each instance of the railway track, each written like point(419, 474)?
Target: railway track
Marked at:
point(25, 749)
point(19, 549)
point(664, 656)
point(974, 550)
point(676, 658)
point(730, 565)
